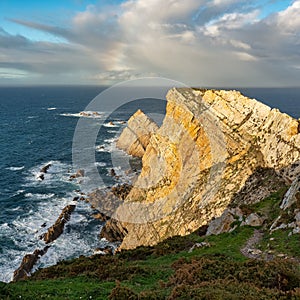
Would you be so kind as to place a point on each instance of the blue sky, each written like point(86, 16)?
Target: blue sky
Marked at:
point(198, 42)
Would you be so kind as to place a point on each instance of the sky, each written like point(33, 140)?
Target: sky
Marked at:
point(208, 43)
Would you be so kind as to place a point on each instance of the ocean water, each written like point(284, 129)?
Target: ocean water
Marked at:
point(36, 128)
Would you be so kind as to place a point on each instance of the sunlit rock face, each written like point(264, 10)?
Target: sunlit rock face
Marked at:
point(209, 145)
point(136, 136)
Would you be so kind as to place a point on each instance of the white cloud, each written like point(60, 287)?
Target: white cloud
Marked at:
point(195, 41)
point(289, 20)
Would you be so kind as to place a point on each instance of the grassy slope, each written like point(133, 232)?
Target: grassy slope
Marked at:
point(169, 270)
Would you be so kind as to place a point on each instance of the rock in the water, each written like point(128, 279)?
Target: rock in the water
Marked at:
point(113, 231)
point(79, 173)
point(136, 136)
point(41, 177)
point(113, 173)
point(58, 227)
point(45, 168)
point(28, 261)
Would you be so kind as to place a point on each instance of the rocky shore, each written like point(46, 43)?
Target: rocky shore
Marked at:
point(216, 155)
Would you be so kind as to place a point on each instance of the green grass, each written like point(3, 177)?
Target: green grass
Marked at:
point(170, 271)
point(143, 273)
point(269, 207)
point(69, 288)
point(281, 243)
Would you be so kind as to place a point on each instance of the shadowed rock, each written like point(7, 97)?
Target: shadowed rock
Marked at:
point(79, 173)
point(57, 229)
point(28, 261)
point(45, 168)
point(113, 231)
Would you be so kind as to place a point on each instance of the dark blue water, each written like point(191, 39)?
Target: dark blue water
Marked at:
point(36, 127)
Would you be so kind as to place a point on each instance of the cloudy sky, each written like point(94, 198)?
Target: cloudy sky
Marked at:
point(198, 42)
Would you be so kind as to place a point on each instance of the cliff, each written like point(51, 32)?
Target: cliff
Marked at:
point(211, 146)
point(136, 136)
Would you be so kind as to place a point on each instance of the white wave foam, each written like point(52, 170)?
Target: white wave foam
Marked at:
point(39, 196)
point(15, 168)
point(100, 164)
point(24, 233)
point(110, 124)
point(111, 140)
point(17, 193)
point(57, 173)
point(85, 114)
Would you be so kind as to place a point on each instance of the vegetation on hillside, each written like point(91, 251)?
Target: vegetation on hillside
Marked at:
point(170, 270)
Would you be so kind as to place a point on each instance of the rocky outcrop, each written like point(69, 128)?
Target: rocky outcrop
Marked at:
point(78, 174)
point(43, 171)
point(45, 168)
point(136, 136)
point(28, 261)
point(225, 222)
point(113, 231)
point(290, 210)
point(58, 227)
point(204, 154)
point(292, 195)
point(121, 190)
point(253, 220)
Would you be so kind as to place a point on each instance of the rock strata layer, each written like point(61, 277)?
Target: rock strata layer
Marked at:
point(58, 227)
point(28, 261)
point(207, 152)
point(136, 136)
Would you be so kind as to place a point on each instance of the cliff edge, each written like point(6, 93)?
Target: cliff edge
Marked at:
point(211, 143)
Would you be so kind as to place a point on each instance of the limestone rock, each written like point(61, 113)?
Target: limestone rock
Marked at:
point(199, 245)
point(28, 261)
point(291, 195)
point(113, 231)
point(45, 168)
point(224, 222)
point(121, 190)
point(43, 171)
point(209, 145)
point(79, 173)
point(253, 220)
point(136, 136)
point(57, 228)
point(297, 218)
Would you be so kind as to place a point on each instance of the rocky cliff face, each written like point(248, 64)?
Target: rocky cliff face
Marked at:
point(136, 136)
point(209, 149)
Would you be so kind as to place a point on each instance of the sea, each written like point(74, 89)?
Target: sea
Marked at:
point(37, 126)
